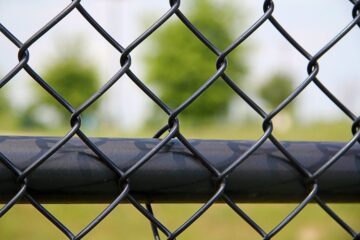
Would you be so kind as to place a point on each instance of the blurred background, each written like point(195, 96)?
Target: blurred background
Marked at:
point(76, 61)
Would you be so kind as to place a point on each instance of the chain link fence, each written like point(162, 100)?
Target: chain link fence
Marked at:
point(218, 178)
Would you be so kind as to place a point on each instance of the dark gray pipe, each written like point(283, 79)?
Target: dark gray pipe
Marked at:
point(75, 175)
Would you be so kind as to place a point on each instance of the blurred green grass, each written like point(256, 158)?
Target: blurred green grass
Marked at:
point(219, 222)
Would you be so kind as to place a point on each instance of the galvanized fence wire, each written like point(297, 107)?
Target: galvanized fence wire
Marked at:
point(172, 128)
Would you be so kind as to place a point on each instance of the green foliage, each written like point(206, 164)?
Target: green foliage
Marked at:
point(6, 112)
point(4, 104)
point(179, 63)
point(276, 89)
point(73, 77)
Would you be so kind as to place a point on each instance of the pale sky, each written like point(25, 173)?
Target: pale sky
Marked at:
point(312, 23)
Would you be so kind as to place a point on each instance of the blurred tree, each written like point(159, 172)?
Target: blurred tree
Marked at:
point(73, 77)
point(276, 89)
point(179, 63)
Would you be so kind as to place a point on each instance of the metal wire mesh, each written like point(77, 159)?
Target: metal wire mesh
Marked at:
point(171, 130)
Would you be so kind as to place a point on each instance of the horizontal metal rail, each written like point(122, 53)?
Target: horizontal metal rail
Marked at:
point(75, 175)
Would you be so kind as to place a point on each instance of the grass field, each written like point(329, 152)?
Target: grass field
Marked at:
point(220, 222)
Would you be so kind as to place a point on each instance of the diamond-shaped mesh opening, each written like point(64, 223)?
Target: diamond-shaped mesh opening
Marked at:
point(19, 217)
point(312, 222)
